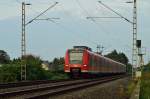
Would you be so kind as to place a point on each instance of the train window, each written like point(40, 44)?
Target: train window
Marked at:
point(76, 57)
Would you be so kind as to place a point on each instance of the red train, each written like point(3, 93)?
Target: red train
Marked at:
point(81, 60)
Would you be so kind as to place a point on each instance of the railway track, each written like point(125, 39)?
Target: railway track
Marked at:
point(28, 83)
point(42, 90)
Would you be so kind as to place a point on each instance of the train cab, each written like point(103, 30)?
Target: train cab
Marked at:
point(76, 60)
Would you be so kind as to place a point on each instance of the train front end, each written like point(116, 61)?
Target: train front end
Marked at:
point(76, 61)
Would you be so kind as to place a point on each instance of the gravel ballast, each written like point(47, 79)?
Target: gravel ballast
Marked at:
point(111, 90)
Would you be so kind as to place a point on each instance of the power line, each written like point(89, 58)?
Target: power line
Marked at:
point(92, 19)
point(121, 16)
point(134, 24)
point(73, 20)
point(42, 13)
point(72, 31)
point(59, 25)
point(96, 24)
point(65, 28)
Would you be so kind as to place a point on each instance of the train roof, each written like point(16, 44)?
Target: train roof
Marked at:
point(90, 51)
point(106, 58)
point(82, 47)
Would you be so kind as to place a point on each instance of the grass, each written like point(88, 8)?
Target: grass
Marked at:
point(145, 86)
point(130, 88)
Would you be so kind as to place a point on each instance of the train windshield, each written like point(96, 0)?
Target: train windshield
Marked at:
point(76, 57)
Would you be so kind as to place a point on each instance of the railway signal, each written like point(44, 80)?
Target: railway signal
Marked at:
point(141, 52)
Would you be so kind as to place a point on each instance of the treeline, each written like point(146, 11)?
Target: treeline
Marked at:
point(10, 70)
point(146, 68)
point(122, 58)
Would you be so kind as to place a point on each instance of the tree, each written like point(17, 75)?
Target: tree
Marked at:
point(58, 69)
point(58, 64)
point(129, 68)
point(12, 72)
point(123, 58)
point(9, 73)
point(120, 57)
point(146, 68)
point(34, 68)
point(4, 57)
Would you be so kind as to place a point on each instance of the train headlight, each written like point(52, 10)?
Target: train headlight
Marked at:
point(66, 65)
point(85, 65)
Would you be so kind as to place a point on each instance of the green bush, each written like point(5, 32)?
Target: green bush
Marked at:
point(12, 72)
point(145, 86)
point(9, 73)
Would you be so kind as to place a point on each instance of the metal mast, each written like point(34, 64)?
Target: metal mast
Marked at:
point(23, 39)
point(98, 49)
point(134, 23)
point(23, 45)
point(134, 49)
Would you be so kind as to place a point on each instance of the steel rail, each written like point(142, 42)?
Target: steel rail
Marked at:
point(29, 83)
point(56, 87)
point(71, 88)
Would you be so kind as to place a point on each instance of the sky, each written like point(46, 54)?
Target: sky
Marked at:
point(50, 39)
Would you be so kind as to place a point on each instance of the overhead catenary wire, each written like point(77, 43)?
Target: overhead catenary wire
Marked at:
point(102, 17)
point(82, 8)
point(70, 30)
point(66, 28)
point(42, 13)
point(121, 16)
point(92, 19)
point(61, 26)
point(115, 17)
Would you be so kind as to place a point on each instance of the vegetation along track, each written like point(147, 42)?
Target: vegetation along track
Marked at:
point(48, 89)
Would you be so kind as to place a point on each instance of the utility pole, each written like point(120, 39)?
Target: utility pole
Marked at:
point(134, 26)
point(134, 49)
point(100, 49)
point(23, 36)
point(23, 43)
